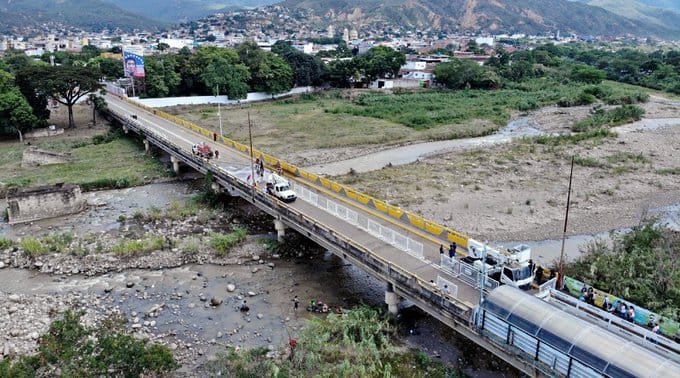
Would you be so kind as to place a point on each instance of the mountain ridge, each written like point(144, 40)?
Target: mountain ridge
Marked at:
point(84, 14)
point(486, 16)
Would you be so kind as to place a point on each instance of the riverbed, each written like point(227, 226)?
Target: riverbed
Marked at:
point(191, 309)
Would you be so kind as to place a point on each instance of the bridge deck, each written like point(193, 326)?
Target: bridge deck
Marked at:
point(238, 164)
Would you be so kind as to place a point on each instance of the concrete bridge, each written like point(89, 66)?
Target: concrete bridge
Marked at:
point(395, 247)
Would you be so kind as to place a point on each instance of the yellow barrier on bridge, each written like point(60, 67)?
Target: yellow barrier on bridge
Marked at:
point(430, 227)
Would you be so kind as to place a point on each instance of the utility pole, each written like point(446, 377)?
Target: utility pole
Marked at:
point(482, 278)
point(219, 111)
point(560, 278)
point(252, 168)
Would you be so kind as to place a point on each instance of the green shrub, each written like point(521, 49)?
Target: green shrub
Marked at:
point(528, 104)
point(572, 138)
point(614, 117)
point(108, 137)
point(150, 242)
point(586, 161)
point(6, 242)
point(58, 242)
point(79, 351)
point(669, 171)
point(221, 243)
point(33, 246)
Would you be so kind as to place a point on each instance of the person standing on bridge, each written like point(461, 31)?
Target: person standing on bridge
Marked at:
point(452, 250)
point(441, 249)
point(217, 154)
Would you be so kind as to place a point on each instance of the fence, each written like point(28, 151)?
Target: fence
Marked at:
point(467, 273)
point(396, 239)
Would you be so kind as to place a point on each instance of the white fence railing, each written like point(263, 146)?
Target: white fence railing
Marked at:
point(466, 272)
point(396, 239)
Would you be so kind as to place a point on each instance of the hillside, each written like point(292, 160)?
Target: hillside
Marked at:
point(487, 16)
point(662, 13)
point(83, 14)
point(176, 11)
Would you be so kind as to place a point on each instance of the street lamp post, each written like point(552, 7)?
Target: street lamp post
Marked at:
point(252, 168)
point(219, 109)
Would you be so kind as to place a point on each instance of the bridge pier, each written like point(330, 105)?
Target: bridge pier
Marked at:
point(147, 146)
point(392, 299)
point(280, 229)
point(175, 164)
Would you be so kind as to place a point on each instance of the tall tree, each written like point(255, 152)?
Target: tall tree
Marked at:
point(226, 77)
point(307, 69)
point(381, 61)
point(66, 84)
point(464, 74)
point(16, 115)
point(269, 73)
point(38, 101)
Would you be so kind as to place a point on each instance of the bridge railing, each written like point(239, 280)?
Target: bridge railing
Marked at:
point(616, 324)
point(387, 234)
point(466, 273)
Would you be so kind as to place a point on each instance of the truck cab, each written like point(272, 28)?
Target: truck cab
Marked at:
point(280, 188)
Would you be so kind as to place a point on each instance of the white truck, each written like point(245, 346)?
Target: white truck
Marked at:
point(513, 267)
point(279, 187)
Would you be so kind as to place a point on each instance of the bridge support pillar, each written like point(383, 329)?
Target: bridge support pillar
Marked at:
point(392, 300)
point(175, 164)
point(147, 146)
point(280, 230)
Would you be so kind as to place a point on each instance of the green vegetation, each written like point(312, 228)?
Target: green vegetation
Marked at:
point(118, 163)
point(669, 171)
point(150, 242)
point(431, 108)
point(222, 243)
point(6, 242)
point(359, 343)
point(640, 266)
point(33, 246)
point(614, 117)
point(595, 135)
point(74, 350)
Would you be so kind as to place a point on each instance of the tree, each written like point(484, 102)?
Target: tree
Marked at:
point(343, 73)
point(38, 101)
point(587, 74)
point(16, 115)
point(381, 61)
point(65, 84)
point(226, 77)
point(269, 73)
point(464, 74)
point(161, 78)
point(307, 69)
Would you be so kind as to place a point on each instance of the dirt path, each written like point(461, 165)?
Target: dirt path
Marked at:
point(502, 188)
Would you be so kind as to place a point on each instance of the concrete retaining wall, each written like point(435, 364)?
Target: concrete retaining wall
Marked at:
point(45, 132)
point(33, 157)
point(44, 202)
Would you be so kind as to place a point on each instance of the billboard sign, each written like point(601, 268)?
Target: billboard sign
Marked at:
point(133, 61)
